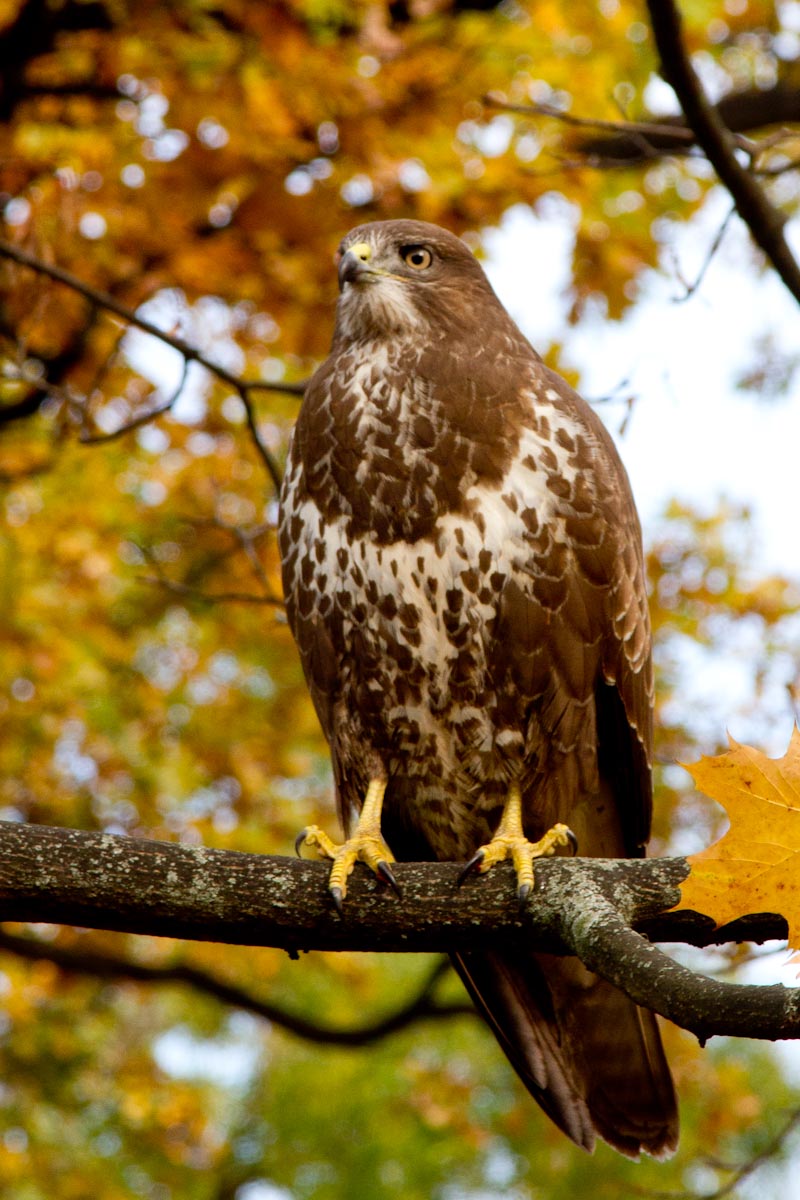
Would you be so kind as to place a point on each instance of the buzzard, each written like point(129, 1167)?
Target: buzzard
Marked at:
point(462, 566)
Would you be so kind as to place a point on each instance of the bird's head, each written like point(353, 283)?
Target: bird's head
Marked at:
point(399, 277)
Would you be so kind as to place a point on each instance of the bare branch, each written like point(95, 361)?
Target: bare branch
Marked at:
point(90, 439)
point(241, 540)
point(106, 302)
point(105, 965)
point(773, 1147)
point(774, 172)
point(605, 942)
point(764, 221)
point(588, 907)
point(264, 454)
point(56, 369)
point(195, 593)
point(265, 385)
point(691, 288)
point(246, 539)
point(740, 112)
point(33, 30)
point(678, 133)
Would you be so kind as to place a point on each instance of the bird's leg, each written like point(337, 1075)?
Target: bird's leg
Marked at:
point(366, 845)
point(510, 841)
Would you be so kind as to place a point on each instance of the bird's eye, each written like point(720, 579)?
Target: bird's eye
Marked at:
point(418, 257)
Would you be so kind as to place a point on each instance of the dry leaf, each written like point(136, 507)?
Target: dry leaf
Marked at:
point(754, 867)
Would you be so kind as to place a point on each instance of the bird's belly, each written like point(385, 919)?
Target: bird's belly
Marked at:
point(424, 643)
point(413, 628)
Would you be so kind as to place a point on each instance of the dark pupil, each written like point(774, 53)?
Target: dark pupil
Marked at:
point(417, 257)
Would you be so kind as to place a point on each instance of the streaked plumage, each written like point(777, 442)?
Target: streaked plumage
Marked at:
point(463, 574)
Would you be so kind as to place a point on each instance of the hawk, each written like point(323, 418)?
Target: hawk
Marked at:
point(463, 573)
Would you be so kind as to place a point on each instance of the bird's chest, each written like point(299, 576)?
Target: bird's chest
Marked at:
point(393, 451)
point(411, 623)
point(386, 472)
point(409, 545)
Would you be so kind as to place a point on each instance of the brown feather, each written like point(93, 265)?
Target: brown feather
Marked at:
point(463, 573)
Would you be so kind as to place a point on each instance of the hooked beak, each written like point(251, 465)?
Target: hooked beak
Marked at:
point(354, 264)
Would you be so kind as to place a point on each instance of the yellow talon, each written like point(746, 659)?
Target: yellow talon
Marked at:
point(510, 841)
point(366, 845)
point(312, 835)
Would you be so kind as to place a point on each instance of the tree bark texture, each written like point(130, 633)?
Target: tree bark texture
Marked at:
point(608, 912)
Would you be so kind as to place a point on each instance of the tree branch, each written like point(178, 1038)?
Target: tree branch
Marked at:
point(243, 540)
point(142, 418)
point(764, 221)
point(34, 31)
point(606, 944)
point(625, 143)
point(590, 907)
point(102, 300)
point(771, 1148)
point(115, 966)
point(676, 134)
point(196, 593)
point(56, 367)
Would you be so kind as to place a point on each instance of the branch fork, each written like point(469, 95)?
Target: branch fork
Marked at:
point(607, 912)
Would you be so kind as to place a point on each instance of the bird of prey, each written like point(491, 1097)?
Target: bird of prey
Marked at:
point(463, 573)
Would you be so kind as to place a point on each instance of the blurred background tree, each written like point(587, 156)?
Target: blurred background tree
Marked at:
point(198, 165)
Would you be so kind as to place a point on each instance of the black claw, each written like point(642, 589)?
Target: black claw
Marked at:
point(387, 874)
point(336, 897)
point(298, 842)
point(573, 841)
point(471, 866)
point(524, 892)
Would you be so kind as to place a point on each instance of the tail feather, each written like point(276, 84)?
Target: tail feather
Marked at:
point(590, 1057)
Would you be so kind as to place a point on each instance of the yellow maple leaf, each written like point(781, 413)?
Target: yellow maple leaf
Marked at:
point(753, 868)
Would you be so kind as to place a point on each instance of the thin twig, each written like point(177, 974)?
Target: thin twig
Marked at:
point(107, 302)
point(96, 439)
point(92, 439)
point(792, 164)
point(191, 592)
point(58, 366)
point(185, 589)
point(741, 1173)
point(691, 288)
point(614, 394)
point(247, 539)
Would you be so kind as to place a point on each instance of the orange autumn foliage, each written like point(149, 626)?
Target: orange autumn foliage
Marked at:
point(753, 867)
